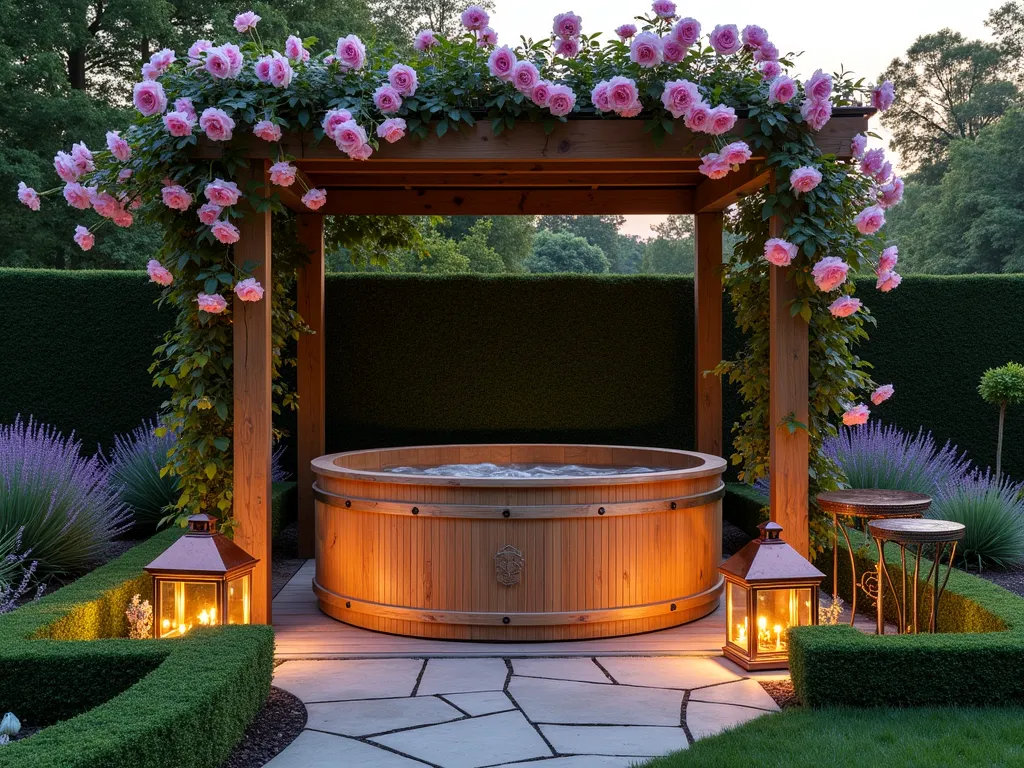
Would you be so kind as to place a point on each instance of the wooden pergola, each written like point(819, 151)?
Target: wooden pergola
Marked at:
point(585, 166)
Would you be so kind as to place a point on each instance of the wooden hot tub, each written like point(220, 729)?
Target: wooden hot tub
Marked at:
point(515, 559)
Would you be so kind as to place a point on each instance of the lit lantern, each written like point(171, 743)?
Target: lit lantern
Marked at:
point(769, 588)
point(202, 579)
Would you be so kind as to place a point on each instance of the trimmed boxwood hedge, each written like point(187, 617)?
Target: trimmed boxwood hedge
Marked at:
point(120, 703)
point(976, 660)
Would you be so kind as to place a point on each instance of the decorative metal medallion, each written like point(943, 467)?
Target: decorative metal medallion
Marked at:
point(869, 584)
point(508, 565)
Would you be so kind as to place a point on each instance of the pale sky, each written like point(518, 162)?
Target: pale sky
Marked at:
point(860, 37)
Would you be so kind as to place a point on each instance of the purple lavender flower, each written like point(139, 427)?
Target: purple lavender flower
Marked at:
point(135, 465)
point(16, 573)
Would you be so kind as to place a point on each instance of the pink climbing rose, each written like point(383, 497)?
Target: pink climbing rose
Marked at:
point(686, 31)
point(391, 130)
point(804, 179)
point(262, 69)
point(844, 306)
point(525, 76)
point(870, 220)
point(218, 63)
point(486, 38)
point(736, 153)
point(118, 147)
point(295, 50)
point(872, 161)
point(314, 199)
point(246, 22)
point(698, 117)
point(350, 53)
point(158, 273)
point(225, 232)
point(217, 124)
point(349, 136)
point(883, 96)
point(84, 238)
point(754, 36)
point(179, 123)
point(664, 9)
point(387, 99)
point(714, 166)
point(816, 112)
point(625, 31)
point(280, 71)
point(500, 62)
point(767, 52)
point(403, 79)
point(856, 416)
point(567, 47)
point(621, 93)
point(425, 40)
point(830, 273)
point(891, 194)
point(209, 213)
point(211, 303)
point(725, 39)
point(282, 174)
point(781, 90)
point(475, 17)
point(249, 289)
point(362, 152)
point(333, 119)
point(267, 131)
point(599, 96)
point(176, 197)
point(541, 93)
point(567, 25)
point(28, 196)
point(721, 120)
point(149, 98)
point(858, 145)
point(887, 260)
point(819, 86)
point(882, 394)
point(887, 281)
point(646, 50)
point(77, 196)
point(561, 100)
point(679, 96)
point(672, 50)
point(222, 193)
point(770, 70)
point(779, 253)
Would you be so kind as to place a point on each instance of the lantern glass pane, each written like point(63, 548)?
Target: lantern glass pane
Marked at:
point(238, 600)
point(186, 604)
point(777, 611)
point(738, 616)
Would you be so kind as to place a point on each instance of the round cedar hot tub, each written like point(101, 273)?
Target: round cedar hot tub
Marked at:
point(557, 557)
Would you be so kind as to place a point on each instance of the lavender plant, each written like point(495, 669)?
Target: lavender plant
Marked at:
point(135, 470)
point(993, 513)
point(60, 500)
point(16, 573)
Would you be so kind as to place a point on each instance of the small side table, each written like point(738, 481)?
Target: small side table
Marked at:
point(915, 533)
point(867, 504)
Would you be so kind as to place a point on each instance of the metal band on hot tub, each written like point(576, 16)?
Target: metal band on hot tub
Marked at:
point(511, 511)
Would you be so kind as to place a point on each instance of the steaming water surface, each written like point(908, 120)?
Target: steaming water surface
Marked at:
point(523, 470)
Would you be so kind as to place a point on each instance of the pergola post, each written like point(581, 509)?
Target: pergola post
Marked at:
point(310, 386)
point(253, 434)
point(789, 375)
point(707, 289)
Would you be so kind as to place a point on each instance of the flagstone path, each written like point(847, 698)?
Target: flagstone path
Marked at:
point(582, 712)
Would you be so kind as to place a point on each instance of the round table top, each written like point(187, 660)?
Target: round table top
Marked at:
point(874, 502)
point(916, 531)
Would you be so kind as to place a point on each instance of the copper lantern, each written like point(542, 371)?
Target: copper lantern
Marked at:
point(769, 588)
point(202, 579)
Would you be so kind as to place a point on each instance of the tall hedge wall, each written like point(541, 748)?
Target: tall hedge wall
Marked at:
point(416, 359)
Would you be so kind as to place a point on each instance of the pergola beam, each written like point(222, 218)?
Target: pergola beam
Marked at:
point(718, 194)
point(582, 179)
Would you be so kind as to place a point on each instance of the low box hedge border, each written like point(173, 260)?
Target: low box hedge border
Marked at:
point(120, 703)
point(976, 660)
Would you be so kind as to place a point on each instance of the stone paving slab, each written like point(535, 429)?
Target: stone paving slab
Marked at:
point(583, 670)
point(572, 703)
point(484, 703)
point(362, 718)
point(667, 672)
point(583, 761)
point(341, 680)
point(463, 676)
point(748, 693)
point(322, 750)
point(615, 739)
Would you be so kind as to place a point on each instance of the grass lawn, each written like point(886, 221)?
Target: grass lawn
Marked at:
point(838, 738)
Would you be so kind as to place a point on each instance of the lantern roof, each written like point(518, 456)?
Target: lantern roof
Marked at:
point(202, 552)
point(769, 558)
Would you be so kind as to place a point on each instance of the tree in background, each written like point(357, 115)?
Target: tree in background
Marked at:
point(555, 252)
point(510, 236)
point(1007, 25)
point(400, 20)
point(671, 252)
point(622, 252)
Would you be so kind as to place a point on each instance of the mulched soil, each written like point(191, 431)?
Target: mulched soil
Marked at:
point(733, 539)
point(1011, 579)
point(26, 731)
point(782, 691)
point(276, 726)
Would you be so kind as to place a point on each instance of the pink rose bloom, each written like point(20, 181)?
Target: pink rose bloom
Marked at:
point(856, 416)
point(234, 54)
point(222, 193)
point(176, 197)
point(185, 105)
point(858, 145)
point(179, 123)
point(767, 52)
point(209, 213)
point(282, 174)
point(872, 162)
point(621, 93)
point(197, 49)
point(333, 119)
point(781, 90)
point(887, 281)
point(294, 49)
point(349, 136)
point(883, 96)
point(225, 232)
point(216, 123)
point(118, 147)
point(664, 9)
point(541, 93)
point(500, 62)
point(84, 238)
point(314, 199)
point(561, 100)
point(218, 63)
point(672, 50)
point(830, 273)
point(28, 196)
point(599, 96)
point(149, 98)
point(391, 130)
point(646, 50)
point(249, 289)
point(76, 195)
point(770, 70)
point(158, 273)
point(632, 110)
point(150, 72)
point(736, 153)
point(262, 69)
point(779, 253)
point(844, 306)
point(486, 37)
point(245, 22)
point(211, 303)
point(121, 217)
point(403, 79)
point(387, 99)
point(754, 36)
point(124, 174)
point(475, 17)
point(819, 86)
point(887, 260)
point(104, 204)
point(267, 131)
point(525, 76)
point(162, 60)
point(280, 71)
point(686, 31)
point(870, 220)
point(567, 47)
point(882, 394)
point(82, 158)
point(816, 113)
point(721, 120)
point(884, 173)
point(351, 53)
point(65, 167)
point(891, 194)
point(714, 166)
point(804, 179)
point(698, 117)
point(725, 39)
point(425, 40)
point(679, 96)
point(362, 152)
point(625, 31)
point(567, 25)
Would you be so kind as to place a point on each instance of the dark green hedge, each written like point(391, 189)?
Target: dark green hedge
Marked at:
point(123, 703)
point(977, 659)
point(284, 498)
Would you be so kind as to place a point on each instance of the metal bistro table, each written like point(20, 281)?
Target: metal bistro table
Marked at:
point(915, 533)
point(868, 504)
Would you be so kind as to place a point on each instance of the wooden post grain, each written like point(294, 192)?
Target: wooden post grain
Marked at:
point(707, 289)
point(310, 386)
point(252, 403)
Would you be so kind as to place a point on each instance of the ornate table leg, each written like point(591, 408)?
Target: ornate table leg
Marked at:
point(933, 621)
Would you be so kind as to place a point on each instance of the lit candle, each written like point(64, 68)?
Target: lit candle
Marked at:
point(204, 617)
point(778, 637)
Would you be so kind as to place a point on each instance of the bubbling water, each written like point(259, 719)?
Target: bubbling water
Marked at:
point(522, 471)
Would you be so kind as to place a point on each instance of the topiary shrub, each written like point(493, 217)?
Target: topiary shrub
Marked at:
point(1004, 387)
point(993, 513)
point(135, 465)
